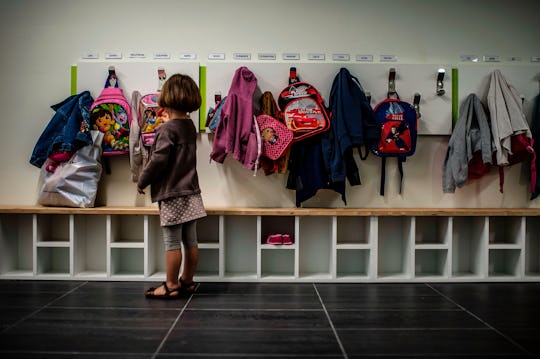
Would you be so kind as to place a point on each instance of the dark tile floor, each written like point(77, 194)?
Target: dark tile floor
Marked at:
point(64, 319)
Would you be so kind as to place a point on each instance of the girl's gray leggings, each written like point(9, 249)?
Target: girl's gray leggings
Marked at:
point(185, 233)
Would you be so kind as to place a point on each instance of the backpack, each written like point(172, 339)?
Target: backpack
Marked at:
point(303, 108)
point(111, 114)
point(149, 112)
point(276, 137)
point(399, 122)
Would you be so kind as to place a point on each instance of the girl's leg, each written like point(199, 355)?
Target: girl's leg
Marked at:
point(191, 254)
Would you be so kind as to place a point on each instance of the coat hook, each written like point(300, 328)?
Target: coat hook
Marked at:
point(392, 82)
point(111, 79)
point(440, 85)
point(368, 97)
point(416, 104)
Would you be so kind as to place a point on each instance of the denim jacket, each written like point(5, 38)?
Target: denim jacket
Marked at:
point(64, 130)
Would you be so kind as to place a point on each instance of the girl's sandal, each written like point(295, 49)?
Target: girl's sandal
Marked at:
point(186, 288)
point(169, 294)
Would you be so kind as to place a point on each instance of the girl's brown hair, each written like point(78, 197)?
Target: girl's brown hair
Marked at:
point(180, 93)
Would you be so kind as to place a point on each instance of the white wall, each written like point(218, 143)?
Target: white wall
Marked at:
point(42, 39)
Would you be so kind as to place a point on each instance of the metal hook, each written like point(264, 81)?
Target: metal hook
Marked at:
point(440, 85)
point(368, 97)
point(416, 104)
point(392, 82)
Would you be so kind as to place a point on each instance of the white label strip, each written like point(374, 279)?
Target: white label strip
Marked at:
point(136, 55)
point(364, 58)
point(216, 56)
point(388, 58)
point(535, 59)
point(113, 55)
point(492, 58)
point(514, 59)
point(341, 57)
point(242, 56)
point(469, 58)
point(90, 55)
point(187, 56)
point(319, 57)
point(291, 56)
point(267, 56)
point(162, 55)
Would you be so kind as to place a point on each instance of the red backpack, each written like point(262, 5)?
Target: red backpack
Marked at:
point(303, 108)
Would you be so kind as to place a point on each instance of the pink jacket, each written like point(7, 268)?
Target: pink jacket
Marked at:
point(236, 132)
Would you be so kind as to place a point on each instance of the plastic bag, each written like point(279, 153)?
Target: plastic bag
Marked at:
point(73, 183)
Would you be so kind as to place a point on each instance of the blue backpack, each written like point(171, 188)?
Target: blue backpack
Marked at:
point(399, 122)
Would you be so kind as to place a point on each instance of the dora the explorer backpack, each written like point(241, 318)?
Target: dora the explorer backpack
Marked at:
point(149, 113)
point(303, 108)
point(398, 120)
point(111, 114)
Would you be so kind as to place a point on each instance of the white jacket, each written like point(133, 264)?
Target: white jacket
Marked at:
point(507, 117)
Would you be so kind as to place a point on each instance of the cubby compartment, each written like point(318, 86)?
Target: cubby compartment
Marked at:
point(53, 228)
point(53, 261)
point(90, 242)
point(432, 230)
point(431, 263)
point(156, 248)
point(352, 264)
point(277, 264)
point(277, 225)
point(208, 230)
point(354, 230)
point(395, 247)
point(504, 262)
point(240, 246)
point(16, 245)
point(127, 263)
point(208, 266)
point(532, 247)
point(506, 230)
point(469, 237)
point(127, 229)
point(315, 247)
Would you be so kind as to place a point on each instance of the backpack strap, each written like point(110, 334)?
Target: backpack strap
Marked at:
point(383, 173)
point(293, 76)
point(162, 76)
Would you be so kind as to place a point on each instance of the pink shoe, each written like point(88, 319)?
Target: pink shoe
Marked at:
point(274, 239)
point(287, 239)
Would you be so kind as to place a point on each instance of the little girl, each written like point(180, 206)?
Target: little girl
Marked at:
point(172, 174)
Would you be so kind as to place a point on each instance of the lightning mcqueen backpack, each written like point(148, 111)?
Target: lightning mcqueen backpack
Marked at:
point(398, 120)
point(303, 108)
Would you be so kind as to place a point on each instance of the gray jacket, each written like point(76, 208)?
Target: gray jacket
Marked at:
point(471, 134)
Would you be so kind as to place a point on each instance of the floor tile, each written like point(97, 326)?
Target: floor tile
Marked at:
point(90, 330)
point(418, 343)
point(382, 296)
point(403, 319)
point(253, 319)
point(239, 342)
point(116, 295)
point(251, 301)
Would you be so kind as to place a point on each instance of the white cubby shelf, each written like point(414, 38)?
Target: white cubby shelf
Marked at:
point(329, 244)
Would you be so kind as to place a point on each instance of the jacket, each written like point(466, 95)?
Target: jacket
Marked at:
point(507, 117)
point(236, 132)
point(353, 124)
point(470, 137)
point(65, 131)
point(307, 171)
point(172, 168)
